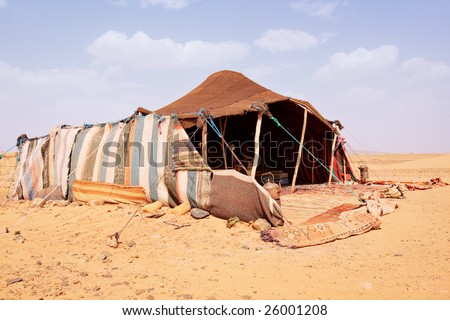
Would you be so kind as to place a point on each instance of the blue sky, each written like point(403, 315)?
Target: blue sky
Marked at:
point(381, 67)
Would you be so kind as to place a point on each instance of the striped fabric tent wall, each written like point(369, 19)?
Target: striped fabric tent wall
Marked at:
point(151, 152)
point(44, 163)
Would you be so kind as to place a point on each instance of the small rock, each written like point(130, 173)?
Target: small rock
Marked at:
point(61, 203)
point(60, 293)
point(18, 237)
point(13, 280)
point(96, 288)
point(139, 292)
point(231, 222)
point(131, 243)
point(149, 208)
point(113, 241)
point(104, 255)
point(261, 224)
point(6, 230)
point(39, 262)
point(199, 213)
point(77, 204)
point(106, 275)
point(150, 297)
point(246, 247)
point(64, 284)
point(188, 296)
point(180, 209)
point(58, 263)
point(84, 274)
point(124, 283)
point(49, 203)
point(95, 203)
point(37, 202)
point(398, 255)
point(120, 206)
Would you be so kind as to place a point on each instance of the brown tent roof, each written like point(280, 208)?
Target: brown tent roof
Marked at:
point(227, 93)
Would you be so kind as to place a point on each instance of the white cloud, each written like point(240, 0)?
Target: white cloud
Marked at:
point(358, 64)
point(167, 4)
point(50, 97)
point(141, 51)
point(35, 83)
point(419, 69)
point(316, 8)
point(279, 40)
point(3, 3)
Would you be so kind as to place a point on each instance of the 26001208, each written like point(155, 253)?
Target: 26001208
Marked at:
point(292, 310)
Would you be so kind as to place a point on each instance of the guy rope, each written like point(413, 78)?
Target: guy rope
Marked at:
point(208, 119)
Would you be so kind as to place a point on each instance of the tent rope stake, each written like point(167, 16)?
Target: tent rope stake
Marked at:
point(315, 158)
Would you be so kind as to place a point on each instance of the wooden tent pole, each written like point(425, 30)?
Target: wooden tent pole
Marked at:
point(345, 171)
point(300, 148)
point(222, 132)
point(332, 159)
point(313, 161)
point(204, 140)
point(236, 157)
point(204, 151)
point(257, 134)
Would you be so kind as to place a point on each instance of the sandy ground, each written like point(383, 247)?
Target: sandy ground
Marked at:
point(65, 256)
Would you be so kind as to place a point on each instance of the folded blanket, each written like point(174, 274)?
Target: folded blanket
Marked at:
point(236, 195)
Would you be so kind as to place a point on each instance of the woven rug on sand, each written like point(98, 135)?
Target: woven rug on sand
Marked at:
point(338, 223)
point(332, 214)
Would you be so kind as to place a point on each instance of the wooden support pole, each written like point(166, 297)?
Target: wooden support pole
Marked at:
point(345, 171)
point(236, 157)
point(313, 161)
point(257, 134)
point(222, 132)
point(204, 140)
point(300, 148)
point(332, 159)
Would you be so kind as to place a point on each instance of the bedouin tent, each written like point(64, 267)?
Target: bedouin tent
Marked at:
point(143, 158)
point(237, 106)
point(151, 157)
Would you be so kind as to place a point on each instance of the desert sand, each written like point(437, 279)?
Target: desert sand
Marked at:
point(63, 253)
